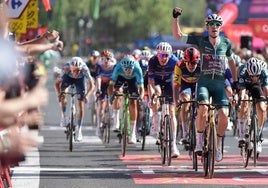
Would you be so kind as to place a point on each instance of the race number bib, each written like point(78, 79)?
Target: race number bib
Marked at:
point(214, 64)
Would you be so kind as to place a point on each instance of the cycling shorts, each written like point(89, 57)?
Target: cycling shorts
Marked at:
point(79, 85)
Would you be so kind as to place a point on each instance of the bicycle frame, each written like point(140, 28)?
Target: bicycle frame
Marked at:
point(252, 136)
point(190, 143)
point(71, 126)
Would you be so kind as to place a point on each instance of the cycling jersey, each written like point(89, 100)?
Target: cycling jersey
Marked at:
point(94, 68)
point(183, 76)
point(213, 67)
point(105, 74)
point(84, 72)
point(163, 75)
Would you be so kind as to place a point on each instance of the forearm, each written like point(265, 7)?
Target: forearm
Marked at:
point(176, 31)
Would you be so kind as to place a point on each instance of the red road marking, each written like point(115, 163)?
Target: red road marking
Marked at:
point(181, 171)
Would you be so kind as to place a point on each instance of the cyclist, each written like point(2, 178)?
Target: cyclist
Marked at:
point(75, 72)
point(186, 74)
point(215, 51)
point(179, 54)
point(160, 78)
point(144, 59)
point(253, 78)
point(127, 70)
point(93, 63)
point(102, 81)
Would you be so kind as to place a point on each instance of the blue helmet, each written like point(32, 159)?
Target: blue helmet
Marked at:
point(127, 63)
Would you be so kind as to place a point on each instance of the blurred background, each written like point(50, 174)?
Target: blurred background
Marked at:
point(123, 25)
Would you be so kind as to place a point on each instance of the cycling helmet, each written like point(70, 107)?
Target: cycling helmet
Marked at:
point(164, 47)
point(191, 54)
point(146, 54)
point(95, 53)
point(107, 54)
point(179, 54)
point(76, 62)
point(254, 66)
point(214, 17)
point(263, 64)
point(127, 63)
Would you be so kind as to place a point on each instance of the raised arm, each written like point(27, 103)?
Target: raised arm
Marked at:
point(176, 30)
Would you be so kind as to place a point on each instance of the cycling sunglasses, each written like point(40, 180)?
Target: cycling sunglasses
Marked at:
point(163, 56)
point(217, 24)
point(128, 69)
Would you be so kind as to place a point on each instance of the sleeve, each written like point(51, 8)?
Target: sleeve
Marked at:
point(151, 69)
point(114, 76)
point(177, 75)
point(140, 79)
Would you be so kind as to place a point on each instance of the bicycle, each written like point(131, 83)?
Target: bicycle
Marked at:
point(252, 136)
point(210, 141)
point(190, 141)
point(124, 129)
point(166, 132)
point(106, 125)
point(71, 125)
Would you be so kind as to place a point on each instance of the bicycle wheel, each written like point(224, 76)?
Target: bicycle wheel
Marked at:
point(168, 138)
point(244, 154)
point(192, 136)
point(106, 127)
point(212, 150)
point(162, 141)
point(71, 128)
point(255, 139)
point(145, 125)
point(206, 138)
point(124, 133)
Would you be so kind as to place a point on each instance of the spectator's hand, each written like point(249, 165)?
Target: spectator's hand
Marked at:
point(32, 118)
point(57, 45)
point(176, 12)
point(38, 95)
point(18, 142)
point(53, 35)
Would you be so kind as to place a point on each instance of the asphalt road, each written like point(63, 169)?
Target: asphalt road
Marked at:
point(94, 164)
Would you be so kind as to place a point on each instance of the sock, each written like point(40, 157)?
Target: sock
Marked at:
point(133, 127)
point(116, 118)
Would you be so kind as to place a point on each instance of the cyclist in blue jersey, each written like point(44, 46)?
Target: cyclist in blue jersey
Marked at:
point(160, 78)
point(215, 52)
point(127, 70)
point(75, 72)
point(102, 82)
point(253, 81)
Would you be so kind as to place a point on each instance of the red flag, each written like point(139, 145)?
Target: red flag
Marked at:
point(47, 5)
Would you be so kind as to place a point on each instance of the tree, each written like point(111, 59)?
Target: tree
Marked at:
point(121, 22)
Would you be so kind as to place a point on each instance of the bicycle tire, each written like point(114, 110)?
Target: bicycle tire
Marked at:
point(169, 139)
point(124, 133)
point(255, 139)
point(192, 133)
point(212, 151)
point(162, 142)
point(205, 153)
point(145, 125)
point(71, 128)
point(244, 154)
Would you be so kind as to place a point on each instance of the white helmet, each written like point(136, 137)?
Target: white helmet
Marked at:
point(214, 17)
point(164, 47)
point(76, 62)
point(146, 54)
point(263, 64)
point(254, 66)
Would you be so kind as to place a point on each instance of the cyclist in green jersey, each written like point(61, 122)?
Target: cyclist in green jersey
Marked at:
point(215, 52)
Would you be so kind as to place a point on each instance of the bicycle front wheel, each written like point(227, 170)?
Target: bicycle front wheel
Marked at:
point(255, 139)
point(168, 139)
point(145, 125)
point(212, 150)
point(71, 134)
point(125, 132)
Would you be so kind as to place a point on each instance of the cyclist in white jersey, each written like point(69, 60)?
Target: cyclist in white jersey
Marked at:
point(75, 72)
